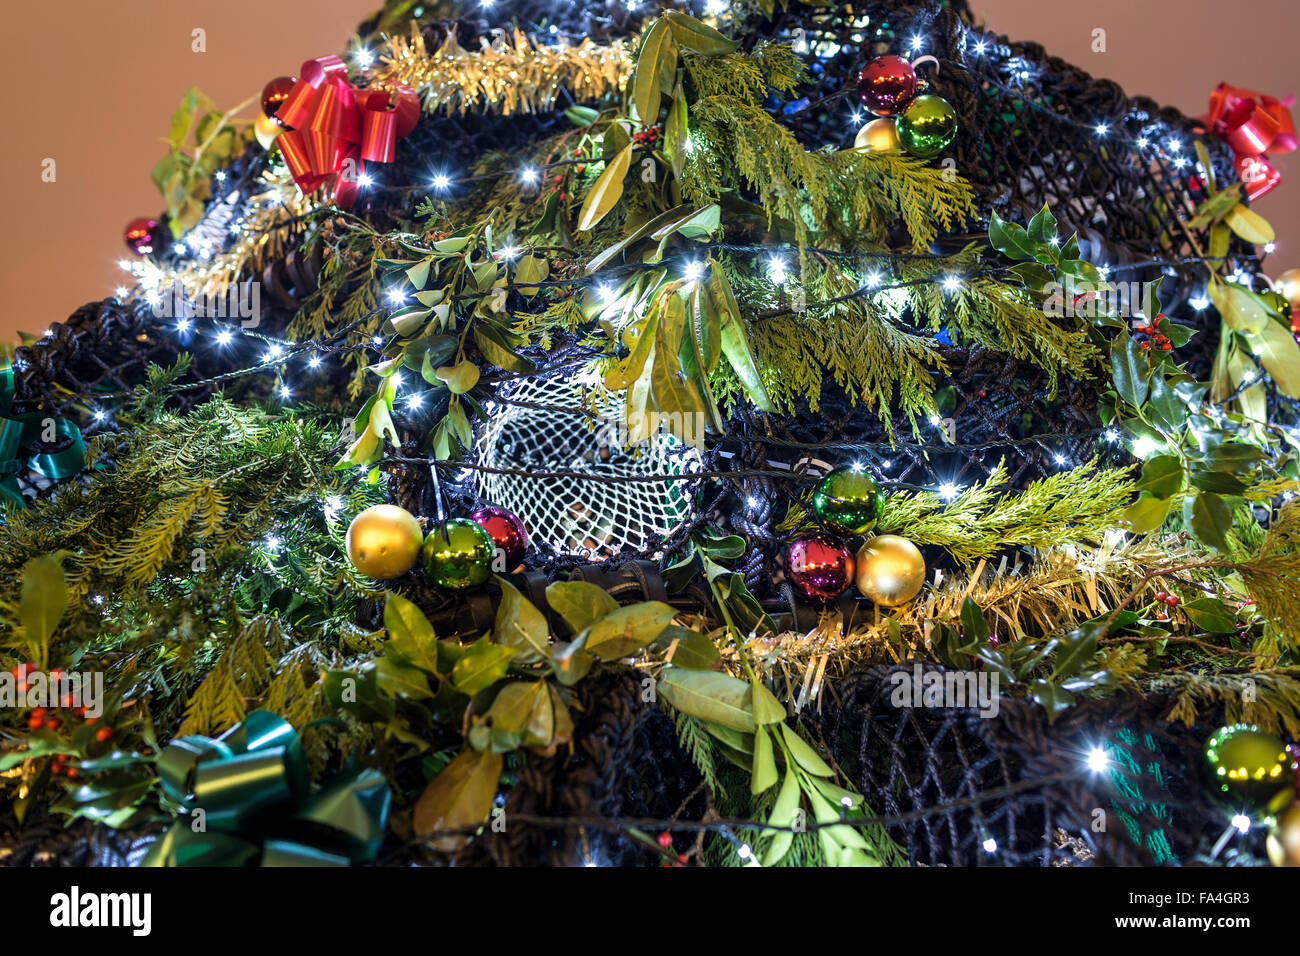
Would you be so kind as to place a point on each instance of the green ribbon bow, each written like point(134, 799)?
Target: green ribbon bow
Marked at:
point(258, 806)
point(21, 430)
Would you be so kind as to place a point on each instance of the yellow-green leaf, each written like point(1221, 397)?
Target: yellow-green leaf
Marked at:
point(1250, 225)
point(606, 191)
point(1278, 353)
point(461, 795)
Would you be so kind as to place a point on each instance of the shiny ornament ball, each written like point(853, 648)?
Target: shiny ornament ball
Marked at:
point(891, 570)
point(507, 532)
point(847, 500)
point(273, 94)
point(887, 84)
point(818, 568)
point(878, 136)
point(384, 542)
point(458, 554)
point(1284, 837)
point(1248, 767)
point(1288, 286)
point(927, 127)
point(266, 130)
point(142, 236)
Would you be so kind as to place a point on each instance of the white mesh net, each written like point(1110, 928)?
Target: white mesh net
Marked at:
point(577, 515)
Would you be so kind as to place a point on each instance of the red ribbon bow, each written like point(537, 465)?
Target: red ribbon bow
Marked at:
point(1254, 125)
point(334, 130)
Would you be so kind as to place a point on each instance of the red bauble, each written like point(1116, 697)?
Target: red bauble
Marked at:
point(506, 530)
point(273, 94)
point(887, 84)
point(819, 568)
point(141, 236)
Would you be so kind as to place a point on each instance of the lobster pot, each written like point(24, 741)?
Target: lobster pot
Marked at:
point(570, 475)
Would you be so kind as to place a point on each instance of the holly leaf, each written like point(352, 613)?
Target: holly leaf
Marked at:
point(1207, 515)
point(1010, 239)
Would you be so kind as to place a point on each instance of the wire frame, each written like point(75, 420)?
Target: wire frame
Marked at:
point(560, 469)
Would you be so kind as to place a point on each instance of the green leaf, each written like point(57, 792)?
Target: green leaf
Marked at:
point(1010, 239)
point(763, 774)
point(183, 117)
point(1211, 614)
point(419, 273)
point(693, 650)
point(482, 666)
point(1042, 228)
point(804, 754)
point(1249, 225)
point(1162, 476)
point(519, 624)
point(580, 603)
point(733, 341)
point(1050, 697)
point(531, 269)
point(645, 78)
point(1129, 370)
point(461, 795)
point(409, 633)
point(1209, 518)
point(401, 680)
point(764, 705)
point(628, 629)
point(974, 627)
point(783, 815)
point(1146, 514)
point(460, 378)
point(1278, 352)
point(1240, 308)
point(699, 37)
point(1077, 648)
point(606, 191)
point(492, 343)
point(43, 598)
point(708, 695)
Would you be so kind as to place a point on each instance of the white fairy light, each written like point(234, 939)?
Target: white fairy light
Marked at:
point(1175, 146)
point(1112, 436)
point(284, 391)
point(183, 325)
point(362, 58)
point(1102, 128)
point(744, 852)
point(1144, 445)
point(314, 362)
point(980, 46)
point(1059, 458)
point(509, 253)
point(99, 415)
point(1199, 303)
point(1270, 248)
point(716, 8)
point(272, 543)
point(951, 283)
point(224, 337)
point(990, 845)
point(1179, 162)
point(529, 175)
point(415, 400)
point(441, 182)
point(948, 491)
point(917, 42)
point(275, 351)
point(125, 265)
point(693, 270)
point(364, 180)
point(121, 292)
point(873, 280)
point(396, 296)
point(1098, 760)
point(1142, 142)
point(776, 269)
point(1241, 822)
point(219, 175)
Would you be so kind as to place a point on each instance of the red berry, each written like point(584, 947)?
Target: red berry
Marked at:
point(665, 839)
point(1172, 600)
point(1162, 616)
point(33, 721)
point(52, 723)
point(1160, 595)
point(91, 720)
point(1166, 346)
point(103, 733)
point(73, 773)
point(681, 857)
point(1145, 345)
point(56, 673)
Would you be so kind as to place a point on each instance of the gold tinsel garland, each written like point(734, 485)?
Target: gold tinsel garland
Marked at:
point(512, 76)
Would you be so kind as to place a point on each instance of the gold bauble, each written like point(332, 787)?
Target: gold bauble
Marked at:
point(1288, 286)
point(384, 542)
point(1284, 838)
point(266, 130)
point(879, 134)
point(890, 570)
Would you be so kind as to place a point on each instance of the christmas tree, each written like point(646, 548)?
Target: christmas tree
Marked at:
point(735, 433)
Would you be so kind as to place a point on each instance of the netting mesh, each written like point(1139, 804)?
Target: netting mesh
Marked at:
point(545, 447)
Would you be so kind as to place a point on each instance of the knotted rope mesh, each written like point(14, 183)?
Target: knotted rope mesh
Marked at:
point(544, 445)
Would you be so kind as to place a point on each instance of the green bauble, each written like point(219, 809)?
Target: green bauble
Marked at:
point(1249, 768)
point(458, 554)
point(927, 126)
point(847, 500)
